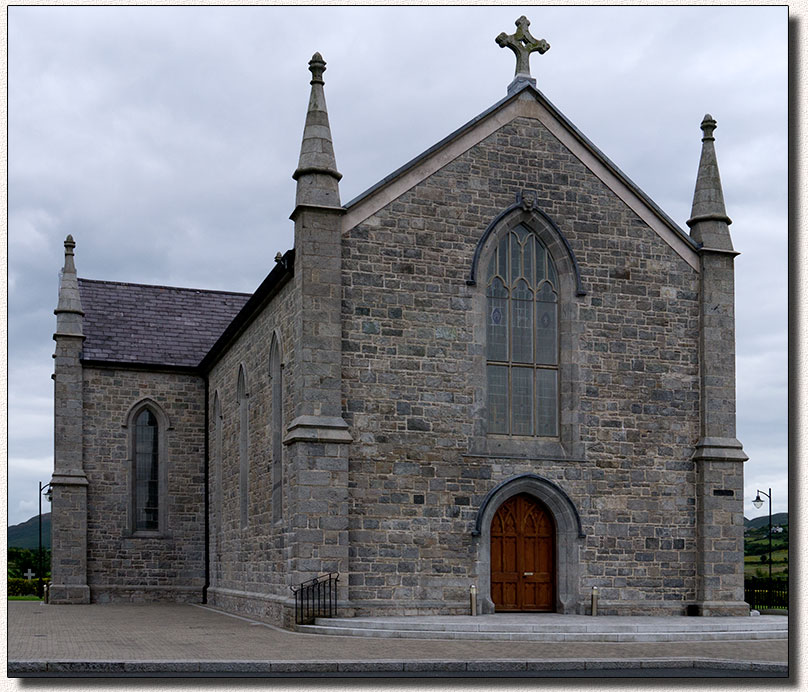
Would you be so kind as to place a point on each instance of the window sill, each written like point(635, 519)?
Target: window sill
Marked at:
point(147, 534)
point(505, 446)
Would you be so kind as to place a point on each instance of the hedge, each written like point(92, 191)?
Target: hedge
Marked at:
point(23, 587)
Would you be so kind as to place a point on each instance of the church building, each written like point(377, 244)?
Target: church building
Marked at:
point(503, 366)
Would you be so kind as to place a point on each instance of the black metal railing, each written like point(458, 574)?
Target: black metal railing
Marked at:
point(316, 598)
point(760, 593)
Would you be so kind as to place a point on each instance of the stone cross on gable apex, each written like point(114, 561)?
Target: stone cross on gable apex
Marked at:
point(522, 43)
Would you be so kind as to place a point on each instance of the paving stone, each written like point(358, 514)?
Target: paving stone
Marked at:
point(568, 664)
point(495, 666)
point(438, 666)
point(110, 667)
point(370, 666)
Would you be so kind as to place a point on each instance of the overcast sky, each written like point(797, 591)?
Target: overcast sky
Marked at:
point(164, 139)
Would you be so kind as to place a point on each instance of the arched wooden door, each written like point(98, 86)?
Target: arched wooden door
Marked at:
point(523, 556)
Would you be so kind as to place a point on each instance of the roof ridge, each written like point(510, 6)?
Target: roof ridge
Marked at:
point(172, 288)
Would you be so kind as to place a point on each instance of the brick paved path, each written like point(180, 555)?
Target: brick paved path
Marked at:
point(185, 635)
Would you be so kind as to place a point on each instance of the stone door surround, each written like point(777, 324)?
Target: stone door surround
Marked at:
point(569, 535)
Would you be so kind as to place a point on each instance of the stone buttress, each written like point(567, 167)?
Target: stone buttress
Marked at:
point(718, 456)
point(69, 483)
point(317, 435)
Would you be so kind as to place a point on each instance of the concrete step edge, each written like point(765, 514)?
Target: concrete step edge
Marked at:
point(542, 636)
point(549, 628)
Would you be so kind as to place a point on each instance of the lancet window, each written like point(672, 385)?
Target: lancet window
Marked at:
point(147, 457)
point(522, 337)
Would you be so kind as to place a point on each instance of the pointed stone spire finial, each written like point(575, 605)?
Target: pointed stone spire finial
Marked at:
point(708, 125)
point(708, 222)
point(316, 175)
point(68, 312)
point(317, 67)
point(522, 43)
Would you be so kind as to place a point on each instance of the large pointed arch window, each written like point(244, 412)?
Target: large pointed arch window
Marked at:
point(522, 337)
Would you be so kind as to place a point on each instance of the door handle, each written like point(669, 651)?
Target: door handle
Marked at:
point(528, 574)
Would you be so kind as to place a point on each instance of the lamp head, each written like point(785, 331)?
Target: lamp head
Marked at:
point(757, 501)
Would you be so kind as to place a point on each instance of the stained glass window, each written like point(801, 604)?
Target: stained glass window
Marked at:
point(522, 337)
point(146, 470)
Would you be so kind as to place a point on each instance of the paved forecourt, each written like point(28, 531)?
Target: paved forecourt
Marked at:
point(165, 639)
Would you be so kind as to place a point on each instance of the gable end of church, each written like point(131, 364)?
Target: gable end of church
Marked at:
point(501, 367)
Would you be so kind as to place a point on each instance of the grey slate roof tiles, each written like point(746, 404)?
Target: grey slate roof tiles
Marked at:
point(154, 325)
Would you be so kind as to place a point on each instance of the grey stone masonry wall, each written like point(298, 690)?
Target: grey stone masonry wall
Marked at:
point(719, 456)
point(413, 345)
point(249, 570)
point(317, 284)
point(317, 437)
point(319, 506)
point(720, 538)
point(718, 345)
point(124, 564)
point(69, 542)
point(68, 484)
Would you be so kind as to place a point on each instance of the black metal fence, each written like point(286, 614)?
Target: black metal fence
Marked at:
point(759, 593)
point(316, 598)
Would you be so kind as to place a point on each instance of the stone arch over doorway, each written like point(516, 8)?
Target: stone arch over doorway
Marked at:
point(569, 534)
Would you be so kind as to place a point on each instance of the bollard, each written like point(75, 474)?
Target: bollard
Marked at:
point(473, 599)
point(45, 593)
point(594, 600)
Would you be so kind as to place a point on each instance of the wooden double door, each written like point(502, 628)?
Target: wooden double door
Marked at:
point(523, 556)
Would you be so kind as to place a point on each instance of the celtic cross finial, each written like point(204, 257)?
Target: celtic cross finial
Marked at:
point(522, 44)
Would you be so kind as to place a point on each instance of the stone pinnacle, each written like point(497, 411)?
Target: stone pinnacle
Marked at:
point(316, 175)
point(708, 222)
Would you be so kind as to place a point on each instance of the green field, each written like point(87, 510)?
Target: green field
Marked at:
point(756, 550)
point(753, 567)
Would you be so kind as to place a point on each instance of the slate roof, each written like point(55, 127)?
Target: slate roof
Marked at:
point(153, 325)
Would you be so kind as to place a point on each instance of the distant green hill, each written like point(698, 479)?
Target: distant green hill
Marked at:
point(779, 519)
point(26, 535)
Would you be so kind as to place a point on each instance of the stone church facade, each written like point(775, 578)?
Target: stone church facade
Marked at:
point(503, 366)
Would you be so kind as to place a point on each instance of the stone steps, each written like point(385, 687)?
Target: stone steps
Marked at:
point(557, 629)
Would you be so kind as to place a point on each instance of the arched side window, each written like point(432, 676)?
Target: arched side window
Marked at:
point(217, 468)
point(522, 337)
point(147, 426)
point(243, 446)
point(147, 464)
point(275, 375)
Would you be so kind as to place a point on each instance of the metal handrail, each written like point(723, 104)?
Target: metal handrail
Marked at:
point(315, 598)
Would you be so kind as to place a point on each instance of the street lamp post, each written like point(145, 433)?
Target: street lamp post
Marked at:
point(48, 496)
point(758, 503)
